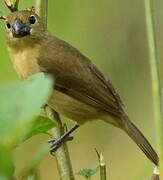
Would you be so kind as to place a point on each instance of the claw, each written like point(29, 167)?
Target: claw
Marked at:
point(57, 142)
point(52, 140)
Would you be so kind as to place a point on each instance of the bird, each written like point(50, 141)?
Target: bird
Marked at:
point(81, 92)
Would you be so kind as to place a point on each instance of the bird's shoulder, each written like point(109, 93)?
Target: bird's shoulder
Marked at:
point(57, 53)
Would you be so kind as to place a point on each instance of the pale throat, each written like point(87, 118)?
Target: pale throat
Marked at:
point(24, 59)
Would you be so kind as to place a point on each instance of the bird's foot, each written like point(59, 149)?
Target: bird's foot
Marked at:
point(57, 142)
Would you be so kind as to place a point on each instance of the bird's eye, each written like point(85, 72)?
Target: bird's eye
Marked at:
point(32, 19)
point(8, 25)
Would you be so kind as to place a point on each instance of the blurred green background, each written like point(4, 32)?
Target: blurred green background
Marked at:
point(113, 34)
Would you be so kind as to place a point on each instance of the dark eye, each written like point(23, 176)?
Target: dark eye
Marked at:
point(8, 25)
point(32, 19)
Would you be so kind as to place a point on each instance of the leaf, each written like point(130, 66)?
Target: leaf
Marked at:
point(87, 173)
point(40, 125)
point(20, 101)
point(6, 162)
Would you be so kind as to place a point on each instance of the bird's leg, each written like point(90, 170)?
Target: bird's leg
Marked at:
point(57, 142)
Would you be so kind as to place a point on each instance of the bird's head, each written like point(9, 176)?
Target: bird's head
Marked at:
point(24, 26)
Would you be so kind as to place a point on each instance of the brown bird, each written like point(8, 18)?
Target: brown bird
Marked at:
point(82, 93)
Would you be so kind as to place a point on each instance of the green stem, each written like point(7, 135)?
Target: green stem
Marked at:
point(42, 10)
point(102, 168)
point(16, 3)
point(102, 172)
point(155, 75)
point(102, 165)
point(61, 155)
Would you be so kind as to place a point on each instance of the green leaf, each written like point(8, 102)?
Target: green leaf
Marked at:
point(40, 125)
point(6, 162)
point(19, 102)
point(87, 173)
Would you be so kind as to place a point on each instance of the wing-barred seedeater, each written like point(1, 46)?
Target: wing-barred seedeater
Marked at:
point(82, 93)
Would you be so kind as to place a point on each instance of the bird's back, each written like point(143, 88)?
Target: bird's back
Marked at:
point(78, 78)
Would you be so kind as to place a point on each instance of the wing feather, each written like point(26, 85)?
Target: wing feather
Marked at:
point(77, 77)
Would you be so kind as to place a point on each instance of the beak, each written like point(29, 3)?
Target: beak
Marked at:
point(20, 29)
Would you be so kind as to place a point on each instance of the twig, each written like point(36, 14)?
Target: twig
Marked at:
point(61, 155)
point(102, 165)
point(155, 75)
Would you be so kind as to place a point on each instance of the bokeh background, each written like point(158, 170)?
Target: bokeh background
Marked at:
point(113, 34)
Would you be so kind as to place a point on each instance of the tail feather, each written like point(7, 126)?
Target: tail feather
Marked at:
point(140, 140)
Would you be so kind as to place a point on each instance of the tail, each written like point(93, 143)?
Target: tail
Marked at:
point(140, 140)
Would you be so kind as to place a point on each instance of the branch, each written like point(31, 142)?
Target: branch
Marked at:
point(61, 155)
point(155, 75)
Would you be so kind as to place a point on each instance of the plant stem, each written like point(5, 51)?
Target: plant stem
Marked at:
point(155, 75)
point(102, 165)
point(61, 155)
point(42, 10)
point(16, 3)
point(102, 168)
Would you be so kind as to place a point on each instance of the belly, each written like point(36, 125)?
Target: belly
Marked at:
point(72, 108)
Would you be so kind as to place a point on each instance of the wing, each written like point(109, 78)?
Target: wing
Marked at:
point(77, 77)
